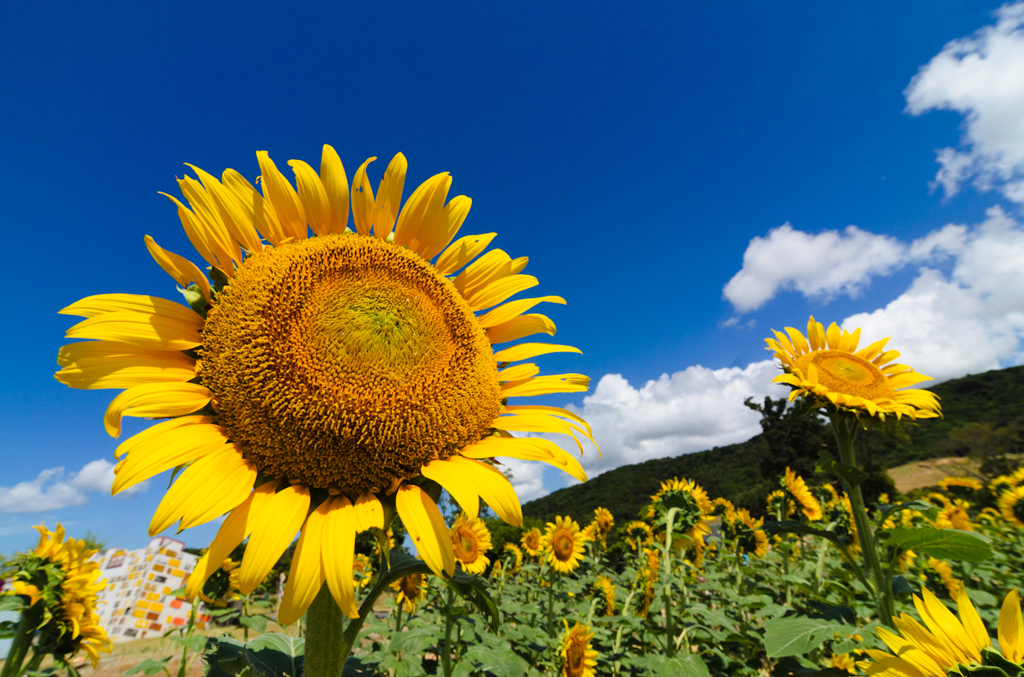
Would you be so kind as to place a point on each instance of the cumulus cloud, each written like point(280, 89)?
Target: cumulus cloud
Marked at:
point(827, 263)
point(691, 410)
point(527, 478)
point(52, 490)
point(969, 321)
point(980, 76)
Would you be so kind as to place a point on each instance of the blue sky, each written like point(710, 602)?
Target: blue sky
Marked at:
point(644, 159)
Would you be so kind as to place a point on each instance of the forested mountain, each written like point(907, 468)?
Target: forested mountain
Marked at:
point(981, 417)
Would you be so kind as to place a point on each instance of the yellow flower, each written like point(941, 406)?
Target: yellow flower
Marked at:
point(606, 588)
point(470, 540)
point(966, 482)
point(694, 508)
point(337, 368)
point(362, 568)
point(563, 545)
point(517, 553)
point(827, 364)
point(944, 641)
point(638, 534)
point(604, 522)
point(844, 661)
point(411, 591)
point(778, 499)
point(589, 533)
point(746, 532)
point(797, 488)
point(1011, 504)
point(578, 657)
point(72, 623)
point(954, 516)
point(533, 542)
point(945, 571)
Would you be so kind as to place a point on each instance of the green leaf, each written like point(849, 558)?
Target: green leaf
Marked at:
point(356, 668)
point(149, 667)
point(948, 544)
point(680, 666)
point(474, 590)
point(497, 661)
point(196, 644)
point(851, 474)
point(797, 635)
point(929, 510)
point(15, 603)
point(901, 587)
point(995, 659)
point(256, 623)
point(790, 527)
point(275, 655)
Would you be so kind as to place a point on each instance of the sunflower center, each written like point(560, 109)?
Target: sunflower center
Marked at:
point(465, 546)
point(347, 363)
point(574, 656)
point(844, 372)
point(562, 545)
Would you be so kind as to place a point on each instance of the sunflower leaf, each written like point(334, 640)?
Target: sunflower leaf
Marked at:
point(853, 475)
point(274, 654)
point(798, 635)
point(948, 544)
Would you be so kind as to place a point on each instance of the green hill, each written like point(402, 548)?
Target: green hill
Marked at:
point(981, 415)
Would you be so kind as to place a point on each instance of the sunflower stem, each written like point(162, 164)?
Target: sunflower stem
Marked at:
point(845, 430)
point(446, 650)
point(26, 630)
point(327, 642)
point(551, 603)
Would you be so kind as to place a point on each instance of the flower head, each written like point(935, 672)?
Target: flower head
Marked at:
point(411, 591)
point(578, 657)
point(517, 556)
point(1011, 504)
point(948, 483)
point(342, 369)
point(606, 590)
point(563, 545)
point(470, 540)
point(638, 534)
point(533, 542)
point(827, 364)
point(603, 522)
point(694, 508)
point(798, 491)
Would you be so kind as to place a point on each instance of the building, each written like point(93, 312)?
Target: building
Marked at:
point(139, 599)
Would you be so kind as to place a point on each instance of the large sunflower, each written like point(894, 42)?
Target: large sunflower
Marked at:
point(578, 656)
point(316, 380)
point(828, 364)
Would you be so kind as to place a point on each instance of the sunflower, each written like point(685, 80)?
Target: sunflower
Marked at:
point(944, 571)
point(563, 545)
point(60, 574)
point(604, 522)
point(638, 534)
point(589, 533)
point(746, 532)
point(829, 365)
point(778, 503)
point(578, 657)
point(797, 489)
point(362, 569)
point(221, 588)
point(694, 508)
point(517, 554)
point(955, 516)
point(411, 591)
point(341, 370)
point(1011, 504)
point(844, 661)
point(533, 542)
point(723, 508)
point(945, 642)
point(606, 589)
point(470, 540)
point(965, 482)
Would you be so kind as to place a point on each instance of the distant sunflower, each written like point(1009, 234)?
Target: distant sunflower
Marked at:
point(470, 540)
point(1011, 504)
point(945, 643)
point(606, 590)
point(694, 506)
point(948, 483)
point(746, 532)
point(338, 369)
point(563, 545)
point(604, 521)
point(638, 534)
point(955, 516)
point(362, 569)
point(778, 502)
point(827, 364)
point(411, 591)
point(517, 555)
point(589, 533)
point(533, 542)
point(798, 490)
point(944, 571)
point(60, 574)
point(578, 656)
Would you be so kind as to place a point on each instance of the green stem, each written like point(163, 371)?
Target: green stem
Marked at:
point(670, 645)
point(845, 431)
point(398, 617)
point(446, 650)
point(326, 648)
point(26, 630)
point(551, 603)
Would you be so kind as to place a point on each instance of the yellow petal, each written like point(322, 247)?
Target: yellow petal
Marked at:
point(500, 290)
point(545, 385)
point(461, 252)
point(335, 183)
point(872, 351)
point(389, 197)
point(282, 197)
point(313, 197)
point(306, 575)
point(971, 620)
point(848, 342)
point(205, 243)
point(799, 342)
point(155, 400)
point(493, 487)
point(833, 336)
point(369, 513)
point(540, 423)
point(527, 449)
point(1011, 628)
point(273, 529)
point(452, 217)
point(943, 624)
point(816, 334)
point(426, 528)
point(455, 482)
point(233, 215)
point(525, 351)
point(554, 411)
point(519, 327)
point(518, 372)
point(362, 200)
point(156, 332)
point(209, 217)
point(183, 271)
point(513, 309)
point(337, 552)
point(164, 446)
point(210, 487)
point(94, 365)
point(101, 304)
point(421, 214)
point(263, 217)
point(491, 266)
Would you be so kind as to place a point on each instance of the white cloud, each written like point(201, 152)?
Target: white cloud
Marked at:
point(691, 410)
point(50, 490)
point(828, 263)
point(968, 322)
point(982, 77)
point(527, 478)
